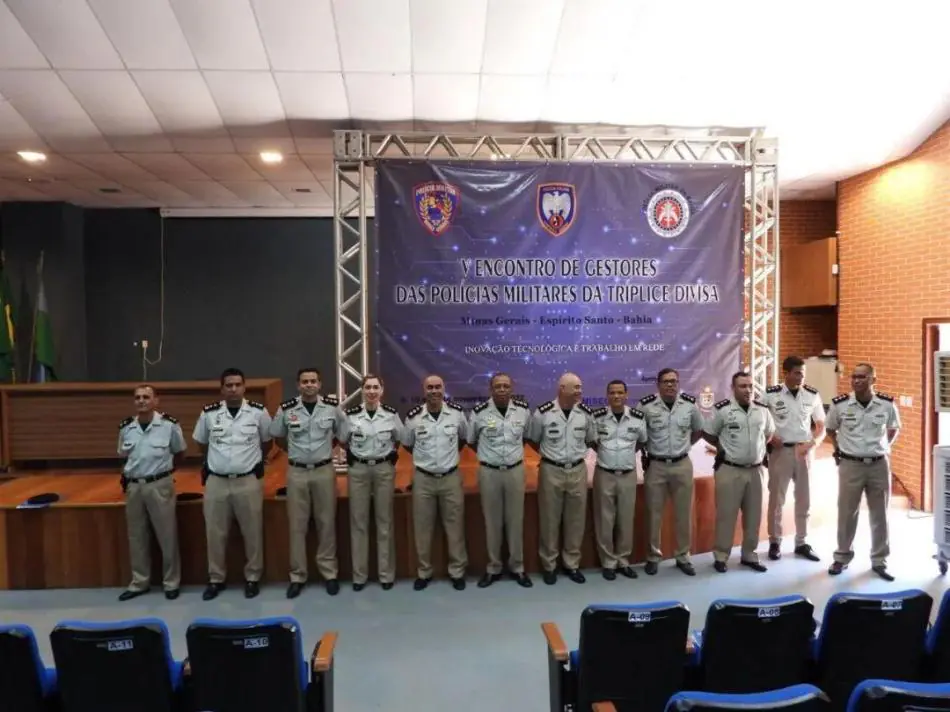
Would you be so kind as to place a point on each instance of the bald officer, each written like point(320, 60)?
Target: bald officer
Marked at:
point(306, 427)
point(674, 424)
point(233, 434)
point(799, 417)
point(740, 428)
point(562, 430)
point(434, 434)
point(863, 426)
point(152, 444)
point(496, 431)
point(621, 431)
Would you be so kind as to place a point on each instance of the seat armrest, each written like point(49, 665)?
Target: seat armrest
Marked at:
point(322, 658)
point(556, 645)
point(186, 668)
point(604, 707)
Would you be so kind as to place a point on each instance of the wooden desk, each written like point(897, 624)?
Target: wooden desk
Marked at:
point(78, 421)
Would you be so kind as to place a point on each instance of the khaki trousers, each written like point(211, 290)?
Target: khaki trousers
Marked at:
point(502, 495)
point(674, 480)
point(443, 496)
point(738, 489)
point(785, 467)
point(874, 481)
point(152, 503)
point(372, 484)
point(242, 499)
point(312, 493)
point(615, 497)
point(562, 497)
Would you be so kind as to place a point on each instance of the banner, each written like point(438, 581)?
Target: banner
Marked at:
point(534, 270)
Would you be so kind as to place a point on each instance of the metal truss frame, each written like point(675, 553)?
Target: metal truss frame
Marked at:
point(356, 153)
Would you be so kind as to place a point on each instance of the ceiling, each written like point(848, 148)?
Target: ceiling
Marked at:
point(168, 103)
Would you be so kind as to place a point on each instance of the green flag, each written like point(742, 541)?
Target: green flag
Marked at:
point(44, 357)
point(7, 329)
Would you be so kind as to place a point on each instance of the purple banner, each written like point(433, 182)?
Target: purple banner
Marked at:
point(609, 271)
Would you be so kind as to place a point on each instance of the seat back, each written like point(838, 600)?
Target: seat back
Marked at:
point(125, 666)
point(757, 645)
point(796, 698)
point(866, 636)
point(633, 656)
point(893, 696)
point(22, 675)
point(938, 643)
point(247, 665)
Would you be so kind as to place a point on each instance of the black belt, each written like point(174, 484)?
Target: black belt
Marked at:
point(791, 444)
point(437, 474)
point(149, 478)
point(310, 465)
point(563, 465)
point(669, 460)
point(231, 476)
point(737, 464)
point(865, 460)
point(616, 472)
point(374, 461)
point(499, 467)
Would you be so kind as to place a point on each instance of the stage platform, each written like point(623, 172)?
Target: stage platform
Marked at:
point(81, 542)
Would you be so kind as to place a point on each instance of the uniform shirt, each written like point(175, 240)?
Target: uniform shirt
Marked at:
point(309, 435)
point(617, 439)
point(793, 414)
point(435, 440)
point(670, 429)
point(559, 438)
point(234, 442)
point(150, 451)
point(370, 437)
point(499, 439)
point(742, 434)
point(862, 431)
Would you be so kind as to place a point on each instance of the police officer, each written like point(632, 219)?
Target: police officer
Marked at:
point(434, 434)
point(863, 425)
point(234, 435)
point(496, 431)
point(620, 433)
point(305, 427)
point(740, 428)
point(152, 444)
point(674, 424)
point(799, 417)
point(562, 430)
point(371, 433)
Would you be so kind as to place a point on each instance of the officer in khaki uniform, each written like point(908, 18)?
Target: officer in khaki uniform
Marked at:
point(740, 428)
point(799, 417)
point(496, 431)
point(863, 425)
point(674, 424)
point(434, 434)
point(232, 434)
point(150, 444)
point(562, 430)
point(371, 433)
point(620, 433)
point(306, 427)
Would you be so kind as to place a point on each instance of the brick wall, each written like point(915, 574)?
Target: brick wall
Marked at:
point(894, 252)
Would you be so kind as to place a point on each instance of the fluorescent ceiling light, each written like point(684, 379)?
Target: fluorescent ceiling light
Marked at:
point(271, 157)
point(32, 156)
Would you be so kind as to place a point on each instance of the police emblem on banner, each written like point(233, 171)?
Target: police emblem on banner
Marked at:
point(436, 205)
point(668, 212)
point(557, 206)
point(707, 398)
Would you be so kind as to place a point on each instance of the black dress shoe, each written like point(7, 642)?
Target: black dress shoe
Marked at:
point(575, 575)
point(686, 567)
point(420, 584)
point(836, 568)
point(550, 577)
point(775, 551)
point(386, 585)
point(807, 552)
point(458, 583)
point(172, 593)
point(651, 568)
point(129, 594)
point(523, 579)
point(488, 579)
point(720, 566)
point(294, 589)
point(608, 574)
point(251, 589)
point(882, 572)
point(212, 590)
point(359, 586)
point(333, 587)
point(755, 566)
point(627, 571)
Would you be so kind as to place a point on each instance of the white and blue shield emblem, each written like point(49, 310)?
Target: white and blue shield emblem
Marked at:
point(557, 206)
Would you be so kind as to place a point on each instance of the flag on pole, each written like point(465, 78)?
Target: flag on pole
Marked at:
point(44, 357)
point(7, 329)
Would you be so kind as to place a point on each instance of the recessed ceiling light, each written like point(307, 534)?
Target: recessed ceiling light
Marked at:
point(271, 157)
point(32, 156)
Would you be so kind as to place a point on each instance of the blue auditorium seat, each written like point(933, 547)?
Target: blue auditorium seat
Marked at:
point(631, 655)
point(25, 683)
point(937, 666)
point(797, 698)
point(121, 666)
point(251, 665)
point(755, 645)
point(893, 696)
point(864, 636)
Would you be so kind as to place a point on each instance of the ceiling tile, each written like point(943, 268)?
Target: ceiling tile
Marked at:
point(308, 95)
point(257, 193)
point(17, 50)
point(316, 197)
point(511, 98)
point(19, 190)
point(248, 102)
point(181, 102)
point(366, 90)
point(15, 132)
point(222, 34)
point(264, 143)
point(211, 193)
point(448, 38)
point(165, 194)
point(609, 21)
point(374, 36)
point(588, 97)
point(444, 97)
point(224, 166)
point(200, 144)
point(321, 166)
point(299, 35)
point(291, 169)
point(314, 146)
point(145, 32)
point(520, 36)
point(113, 166)
point(168, 166)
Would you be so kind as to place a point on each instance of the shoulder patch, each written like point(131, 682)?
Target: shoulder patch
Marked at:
point(456, 406)
point(810, 389)
point(600, 412)
point(637, 413)
point(211, 407)
point(170, 418)
point(255, 404)
point(840, 399)
point(723, 403)
point(387, 408)
point(289, 403)
point(480, 407)
point(773, 389)
point(355, 409)
point(688, 398)
point(545, 407)
point(127, 421)
point(413, 412)
point(759, 403)
point(648, 399)
point(521, 402)
point(585, 408)
point(884, 396)
point(331, 399)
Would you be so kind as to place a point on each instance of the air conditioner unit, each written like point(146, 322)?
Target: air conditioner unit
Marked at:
point(942, 381)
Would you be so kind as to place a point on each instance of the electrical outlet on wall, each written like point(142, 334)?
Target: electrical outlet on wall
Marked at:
point(144, 343)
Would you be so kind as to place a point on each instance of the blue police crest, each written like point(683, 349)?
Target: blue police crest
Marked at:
point(436, 205)
point(557, 206)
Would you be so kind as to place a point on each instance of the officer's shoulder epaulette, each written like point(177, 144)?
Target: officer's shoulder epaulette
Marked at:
point(413, 412)
point(884, 396)
point(840, 399)
point(480, 407)
point(331, 399)
point(773, 389)
point(521, 402)
point(456, 406)
point(810, 389)
point(600, 411)
point(170, 418)
point(387, 408)
point(637, 413)
point(688, 398)
point(759, 403)
point(723, 403)
point(289, 403)
point(545, 407)
point(355, 409)
point(255, 404)
point(211, 407)
point(584, 407)
point(125, 422)
point(648, 399)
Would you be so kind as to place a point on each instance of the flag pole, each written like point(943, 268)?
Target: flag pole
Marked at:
point(36, 312)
